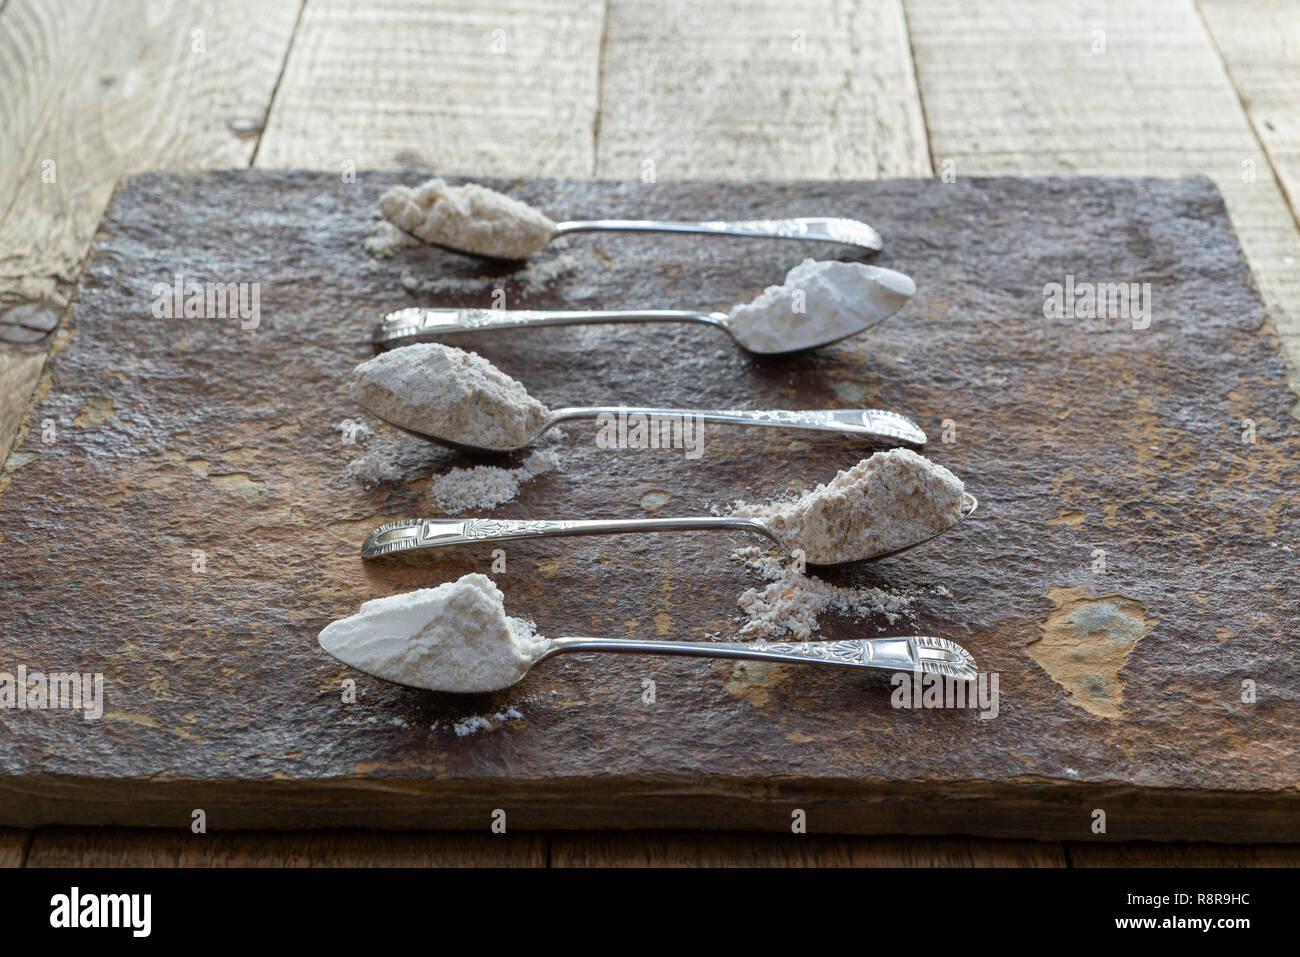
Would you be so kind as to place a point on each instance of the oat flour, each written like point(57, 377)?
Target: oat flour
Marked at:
point(470, 217)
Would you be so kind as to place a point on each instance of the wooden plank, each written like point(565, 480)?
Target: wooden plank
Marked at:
point(456, 85)
point(91, 91)
point(257, 482)
point(1259, 41)
point(755, 90)
point(13, 845)
point(1148, 854)
point(740, 849)
point(1020, 87)
point(143, 847)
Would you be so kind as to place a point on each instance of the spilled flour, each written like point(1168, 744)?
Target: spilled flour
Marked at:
point(354, 433)
point(472, 218)
point(375, 467)
point(456, 637)
point(536, 276)
point(884, 503)
point(486, 486)
point(792, 602)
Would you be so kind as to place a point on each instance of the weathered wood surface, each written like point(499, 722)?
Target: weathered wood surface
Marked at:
point(124, 847)
point(457, 85)
point(90, 92)
point(13, 844)
point(678, 849)
point(807, 90)
point(192, 434)
point(1077, 87)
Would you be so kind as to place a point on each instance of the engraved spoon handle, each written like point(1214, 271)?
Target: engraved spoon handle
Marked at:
point(849, 232)
point(867, 423)
point(921, 654)
point(419, 533)
point(416, 324)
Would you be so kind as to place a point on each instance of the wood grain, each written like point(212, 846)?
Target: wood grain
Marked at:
point(90, 92)
point(1151, 854)
point(139, 847)
point(740, 849)
point(1078, 87)
point(459, 86)
point(13, 845)
point(744, 90)
point(1259, 41)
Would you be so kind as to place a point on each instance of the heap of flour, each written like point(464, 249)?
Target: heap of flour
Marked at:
point(819, 303)
point(889, 501)
point(456, 637)
point(446, 392)
point(472, 218)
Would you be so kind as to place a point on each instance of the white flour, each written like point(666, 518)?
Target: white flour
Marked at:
point(790, 604)
point(386, 240)
point(486, 486)
point(819, 301)
point(883, 503)
point(374, 467)
point(456, 637)
point(470, 217)
point(449, 393)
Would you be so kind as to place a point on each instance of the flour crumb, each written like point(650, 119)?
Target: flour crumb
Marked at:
point(487, 486)
point(374, 468)
point(354, 433)
point(792, 602)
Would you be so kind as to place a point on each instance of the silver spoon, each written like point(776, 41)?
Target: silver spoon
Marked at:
point(873, 425)
point(890, 291)
point(915, 654)
point(846, 232)
point(412, 534)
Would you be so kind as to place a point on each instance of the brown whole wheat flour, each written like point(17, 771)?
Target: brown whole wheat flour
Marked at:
point(470, 217)
point(449, 393)
point(883, 503)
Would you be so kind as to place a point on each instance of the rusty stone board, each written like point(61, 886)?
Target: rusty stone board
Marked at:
point(1129, 576)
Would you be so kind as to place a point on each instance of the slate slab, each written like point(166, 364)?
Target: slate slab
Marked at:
point(178, 518)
